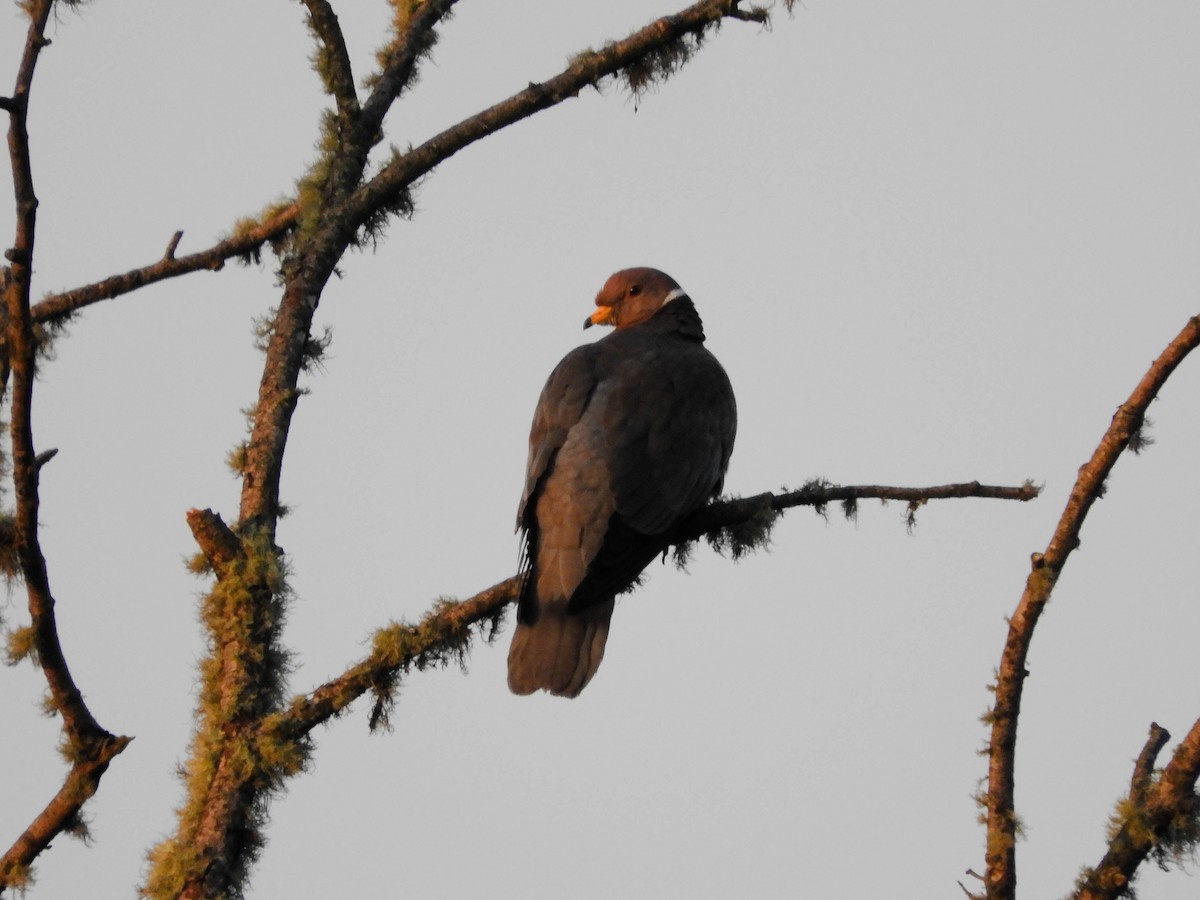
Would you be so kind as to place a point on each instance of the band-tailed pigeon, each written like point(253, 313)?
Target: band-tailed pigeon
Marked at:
point(631, 434)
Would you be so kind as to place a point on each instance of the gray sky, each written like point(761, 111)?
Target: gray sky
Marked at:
point(931, 241)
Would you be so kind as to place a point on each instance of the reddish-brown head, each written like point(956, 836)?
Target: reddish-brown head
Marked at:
point(632, 296)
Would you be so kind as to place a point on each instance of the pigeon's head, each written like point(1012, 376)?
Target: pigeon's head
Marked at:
point(632, 296)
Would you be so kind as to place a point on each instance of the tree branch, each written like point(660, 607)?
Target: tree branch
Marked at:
point(730, 514)
point(1001, 878)
point(55, 307)
point(413, 38)
point(333, 60)
point(1143, 768)
point(1159, 817)
point(217, 542)
point(77, 720)
point(332, 217)
point(235, 765)
point(230, 775)
point(659, 42)
point(444, 634)
point(61, 813)
point(87, 745)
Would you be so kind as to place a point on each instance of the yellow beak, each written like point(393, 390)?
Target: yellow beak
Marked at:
point(604, 315)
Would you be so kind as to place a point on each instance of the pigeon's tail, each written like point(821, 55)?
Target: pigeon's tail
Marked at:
point(560, 651)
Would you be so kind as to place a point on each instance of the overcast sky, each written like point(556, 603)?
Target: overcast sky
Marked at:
point(931, 241)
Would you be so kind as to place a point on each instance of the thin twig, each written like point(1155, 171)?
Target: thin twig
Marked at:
point(77, 719)
point(54, 307)
point(173, 245)
point(1001, 877)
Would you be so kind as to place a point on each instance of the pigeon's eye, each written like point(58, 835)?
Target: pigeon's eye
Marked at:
point(634, 290)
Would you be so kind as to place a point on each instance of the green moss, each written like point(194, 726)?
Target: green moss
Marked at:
point(245, 229)
point(236, 458)
point(440, 639)
point(314, 350)
point(403, 13)
point(198, 564)
point(77, 826)
point(1040, 583)
point(21, 645)
point(850, 509)
point(660, 64)
point(17, 877)
point(745, 537)
point(1140, 438)
point(242, 680)
point(10, 563)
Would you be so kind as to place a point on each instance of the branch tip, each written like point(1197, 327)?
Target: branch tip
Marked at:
point(1143, 769)
point(44, 457)
point(220, 546)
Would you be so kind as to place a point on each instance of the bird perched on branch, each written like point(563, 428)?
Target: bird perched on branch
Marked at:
point(631, 434)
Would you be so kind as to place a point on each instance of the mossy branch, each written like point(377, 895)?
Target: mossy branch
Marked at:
point(220, 546)
point(1160, 818)
point(648, 55)
point(444, 634)
point(743, 524)
point(413, 38)
point(1000, 880)
point(333, 60)
point(231, 775)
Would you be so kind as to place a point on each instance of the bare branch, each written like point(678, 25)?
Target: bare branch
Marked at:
point(55, 307)
point(77, 719)
point(88, 745)
point(173, 245)
point(80, 785)
point(1143, 769)
point(1001, 879)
